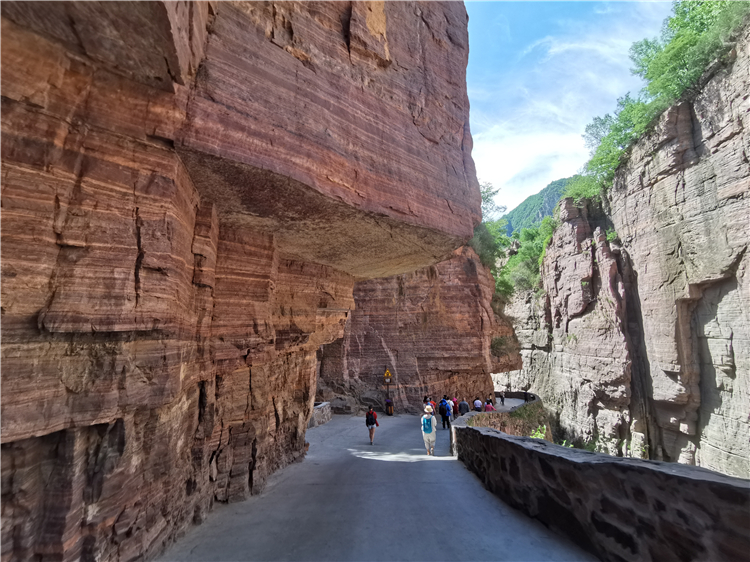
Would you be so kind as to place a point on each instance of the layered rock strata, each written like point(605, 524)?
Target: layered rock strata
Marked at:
point(648, 339)
point(432, 329)
point(189, 192)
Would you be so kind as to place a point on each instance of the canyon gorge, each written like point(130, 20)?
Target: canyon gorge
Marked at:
point(215, 214)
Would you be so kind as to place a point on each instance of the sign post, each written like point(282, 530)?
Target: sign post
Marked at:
point(388, 403)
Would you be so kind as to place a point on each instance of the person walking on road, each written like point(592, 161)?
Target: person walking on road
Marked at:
point(445, 411)
point(463, 407)
point(502, 398)
point(371, 419)
point(429, 429)
point(477, 404)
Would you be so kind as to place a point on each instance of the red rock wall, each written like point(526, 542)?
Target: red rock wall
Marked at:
point(432, 329)
point(188, 192)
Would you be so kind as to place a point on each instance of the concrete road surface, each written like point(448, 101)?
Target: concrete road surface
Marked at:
point(351, 501)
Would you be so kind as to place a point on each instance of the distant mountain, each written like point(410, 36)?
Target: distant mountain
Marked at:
point(536, 207)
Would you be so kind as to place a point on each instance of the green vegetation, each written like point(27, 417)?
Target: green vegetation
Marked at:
point(692, 38)
point(530, 412)
point(539, 432)
point(672, 65)
point(489, 241)
point(499, 346)
point(490, 244)
point(521, 421)
point(534, 208)
point(522, 270)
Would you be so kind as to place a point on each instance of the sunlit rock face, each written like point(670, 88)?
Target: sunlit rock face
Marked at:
point(189, 192)
point(644, 342)
point(432, 329)
point(573, 338)
point(681, 207)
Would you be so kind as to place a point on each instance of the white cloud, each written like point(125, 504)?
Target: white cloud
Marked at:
point(527, 125)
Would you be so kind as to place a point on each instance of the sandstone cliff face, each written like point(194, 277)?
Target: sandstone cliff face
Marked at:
point(574, 338)
point(432, 329)
point(189, 190)
point(669, 303)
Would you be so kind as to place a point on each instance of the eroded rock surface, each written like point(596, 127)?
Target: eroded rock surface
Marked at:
point(432, 329)
point(646, 339)
point(189, 190)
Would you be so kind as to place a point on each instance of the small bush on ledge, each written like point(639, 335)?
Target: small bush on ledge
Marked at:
point(521, 422)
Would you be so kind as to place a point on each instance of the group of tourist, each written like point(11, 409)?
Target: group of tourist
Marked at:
point(448, 409)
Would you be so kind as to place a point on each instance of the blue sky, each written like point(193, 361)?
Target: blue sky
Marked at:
point(538, 73)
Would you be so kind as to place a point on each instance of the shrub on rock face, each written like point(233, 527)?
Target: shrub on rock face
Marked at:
point(499, 346)
point(522, 270)
point(489, 241)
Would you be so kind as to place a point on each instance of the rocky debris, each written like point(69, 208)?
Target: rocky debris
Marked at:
point(433, 329)
point(645, 340)
point(618, 509)
point(189, 190)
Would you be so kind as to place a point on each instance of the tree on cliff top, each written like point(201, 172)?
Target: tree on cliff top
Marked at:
point(489, 239)
point(692, 38)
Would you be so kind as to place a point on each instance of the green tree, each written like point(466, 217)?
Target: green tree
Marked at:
point(489, 239)
point(522, 270)
point(490, 209)
point(695, 35)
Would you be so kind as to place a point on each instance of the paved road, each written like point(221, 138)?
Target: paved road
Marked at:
point(351, 501)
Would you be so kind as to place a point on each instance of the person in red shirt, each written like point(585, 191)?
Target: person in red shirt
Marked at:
point(371, 419)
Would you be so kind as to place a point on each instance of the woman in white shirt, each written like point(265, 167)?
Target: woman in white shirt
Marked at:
point(429, 430)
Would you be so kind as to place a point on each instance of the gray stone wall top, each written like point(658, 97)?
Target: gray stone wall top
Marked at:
point(617, 508)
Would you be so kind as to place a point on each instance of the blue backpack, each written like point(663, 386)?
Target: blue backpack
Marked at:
point(427, 424)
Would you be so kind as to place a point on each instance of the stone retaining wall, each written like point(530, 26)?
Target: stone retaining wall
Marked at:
point(321, 414)
point(519, 395)
point(617, 508)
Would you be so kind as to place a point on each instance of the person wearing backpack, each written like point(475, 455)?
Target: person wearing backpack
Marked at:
point(371, 419)
point(429, 429)
point(445, 411)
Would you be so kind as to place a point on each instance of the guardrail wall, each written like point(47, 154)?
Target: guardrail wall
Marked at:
point(617, 508)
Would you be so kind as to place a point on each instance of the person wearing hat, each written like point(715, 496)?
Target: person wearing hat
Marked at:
point(429, 430)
